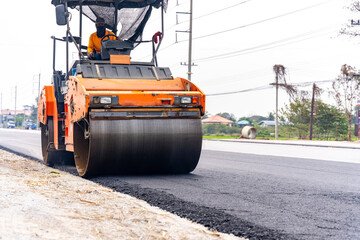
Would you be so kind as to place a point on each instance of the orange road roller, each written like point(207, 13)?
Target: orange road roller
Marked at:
point(114, 115)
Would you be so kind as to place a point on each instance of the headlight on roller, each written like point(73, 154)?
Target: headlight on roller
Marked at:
point(96, 100)
point(105, 100)
point(185, 100)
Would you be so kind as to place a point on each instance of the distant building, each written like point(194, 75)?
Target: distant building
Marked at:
point(26, 112)
point(271, 123)
point(27, 107)
point(216, 119)
point(243, 123)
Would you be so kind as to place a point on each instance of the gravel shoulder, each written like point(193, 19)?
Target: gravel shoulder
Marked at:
point(39, 202)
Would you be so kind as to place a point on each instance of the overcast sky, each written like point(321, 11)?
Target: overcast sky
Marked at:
point(235, 47)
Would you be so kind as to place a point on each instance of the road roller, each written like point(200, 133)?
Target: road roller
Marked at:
point(116, 115)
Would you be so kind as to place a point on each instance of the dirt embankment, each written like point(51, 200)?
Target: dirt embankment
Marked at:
point(38, 202)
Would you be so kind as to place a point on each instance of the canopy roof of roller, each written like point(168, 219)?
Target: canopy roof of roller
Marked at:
point(132, 14)
point(119, 4)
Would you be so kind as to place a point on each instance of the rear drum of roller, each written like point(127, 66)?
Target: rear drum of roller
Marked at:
point(138, 146)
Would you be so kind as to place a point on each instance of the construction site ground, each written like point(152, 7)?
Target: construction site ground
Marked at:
point(39, 202)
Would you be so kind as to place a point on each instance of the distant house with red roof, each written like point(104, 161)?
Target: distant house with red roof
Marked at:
point(216, 119)
point(26, 112)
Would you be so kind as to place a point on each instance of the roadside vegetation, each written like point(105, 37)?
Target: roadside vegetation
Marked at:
point(331, 125)
point(306, 116)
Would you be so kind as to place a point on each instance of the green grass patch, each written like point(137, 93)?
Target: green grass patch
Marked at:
point(220, 137)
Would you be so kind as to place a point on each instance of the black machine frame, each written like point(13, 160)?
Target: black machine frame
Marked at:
point(117, 4)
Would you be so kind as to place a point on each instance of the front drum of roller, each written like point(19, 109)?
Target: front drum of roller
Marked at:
point(138, 146)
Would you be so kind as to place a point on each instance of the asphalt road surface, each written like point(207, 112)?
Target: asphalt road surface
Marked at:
point(259, 191)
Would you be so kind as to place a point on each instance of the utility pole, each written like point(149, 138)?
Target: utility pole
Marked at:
point(312, 111)
point(277, 109)
point(190, 41)
point(37, 120)
point(38, 95)
point(1, 119)
point(357, 23)
point(280, 72)
point(315, 93)
point(276, 83)
point(15, 98)
point(359, 119)
point(39, 87)
point(189, 64)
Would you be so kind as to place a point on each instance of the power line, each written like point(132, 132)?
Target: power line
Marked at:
point(257, 48)
point(243, 26)
point(208, 14)
point(220, 10)
point(240, 91)
point(179, 4)
point(263, 46)
point(254, 49)
point(261, 21)
point(169, 9)
point(211, 13)
point(303, 84)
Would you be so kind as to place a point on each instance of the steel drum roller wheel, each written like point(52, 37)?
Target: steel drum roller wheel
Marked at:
point(47, 137)
point(138, 146)
point(81, 148)
point(50, 155)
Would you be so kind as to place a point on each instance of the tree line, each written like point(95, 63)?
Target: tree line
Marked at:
point(306, 115)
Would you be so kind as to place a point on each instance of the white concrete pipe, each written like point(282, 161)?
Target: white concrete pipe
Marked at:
point(249, 132)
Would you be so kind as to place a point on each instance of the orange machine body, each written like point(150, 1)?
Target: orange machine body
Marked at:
point(131, 95)
point(47, 107)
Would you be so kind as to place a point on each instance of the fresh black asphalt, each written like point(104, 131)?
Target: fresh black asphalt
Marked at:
point(258, 197)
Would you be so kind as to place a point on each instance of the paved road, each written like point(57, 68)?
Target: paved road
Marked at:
point(328, 151)
point(23, 141)
point(263, 193)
